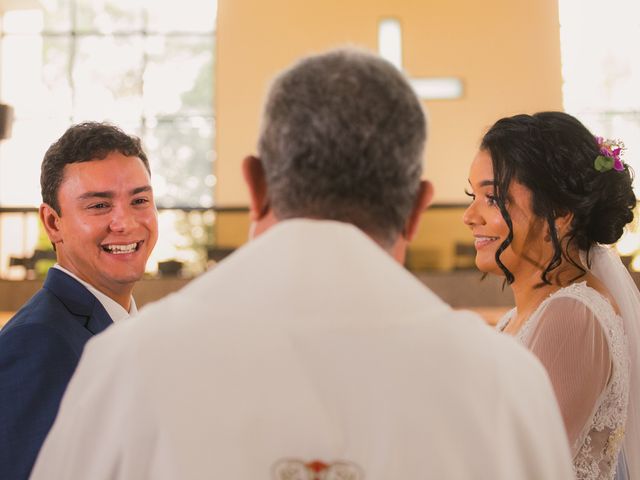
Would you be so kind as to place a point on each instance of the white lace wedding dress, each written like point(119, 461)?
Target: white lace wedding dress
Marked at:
point(581, 341)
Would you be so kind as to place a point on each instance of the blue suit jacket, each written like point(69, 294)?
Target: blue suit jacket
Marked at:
point(39, 350)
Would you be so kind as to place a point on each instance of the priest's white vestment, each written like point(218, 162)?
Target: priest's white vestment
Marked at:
point(308, 353)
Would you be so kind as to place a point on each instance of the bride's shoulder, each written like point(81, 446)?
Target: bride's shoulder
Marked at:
point(589, 293)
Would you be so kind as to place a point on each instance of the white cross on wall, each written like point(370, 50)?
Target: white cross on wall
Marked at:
point(390, 48)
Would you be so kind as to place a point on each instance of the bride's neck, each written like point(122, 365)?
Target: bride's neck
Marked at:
point(530, 291)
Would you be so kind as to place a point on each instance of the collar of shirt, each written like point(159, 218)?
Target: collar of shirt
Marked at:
point(114, 309)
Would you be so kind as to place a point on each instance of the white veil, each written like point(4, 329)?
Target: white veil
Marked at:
point(607, 267)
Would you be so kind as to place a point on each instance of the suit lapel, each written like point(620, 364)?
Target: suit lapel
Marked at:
point(78, 300)
point(99, 319)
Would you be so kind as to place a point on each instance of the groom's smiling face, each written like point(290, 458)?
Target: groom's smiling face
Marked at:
point(107, 223)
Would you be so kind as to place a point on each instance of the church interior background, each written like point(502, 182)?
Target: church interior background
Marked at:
point(189, 78)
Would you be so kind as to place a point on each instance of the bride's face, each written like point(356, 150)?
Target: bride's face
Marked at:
point(527, 252)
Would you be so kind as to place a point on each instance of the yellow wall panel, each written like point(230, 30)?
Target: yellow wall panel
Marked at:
point(507, 53)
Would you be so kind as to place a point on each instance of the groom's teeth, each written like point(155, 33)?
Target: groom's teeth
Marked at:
point(120, 249)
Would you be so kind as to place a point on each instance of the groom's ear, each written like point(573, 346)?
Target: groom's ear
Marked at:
point(51, 221)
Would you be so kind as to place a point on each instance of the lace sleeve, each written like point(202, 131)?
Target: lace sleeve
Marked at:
point(572, 345)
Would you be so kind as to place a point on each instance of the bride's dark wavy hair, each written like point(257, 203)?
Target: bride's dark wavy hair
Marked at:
point(552, 154)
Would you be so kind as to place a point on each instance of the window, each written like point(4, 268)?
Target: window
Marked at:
point(145, 65)
point(601, 71)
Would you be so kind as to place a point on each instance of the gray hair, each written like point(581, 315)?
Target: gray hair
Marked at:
point(342, 139)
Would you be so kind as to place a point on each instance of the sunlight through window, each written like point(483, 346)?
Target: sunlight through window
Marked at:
point(601, 71)
point(144, 65)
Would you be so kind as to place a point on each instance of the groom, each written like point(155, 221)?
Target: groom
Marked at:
point(99, 214)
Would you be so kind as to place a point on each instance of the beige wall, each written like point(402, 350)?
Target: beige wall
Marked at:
point(507, 52)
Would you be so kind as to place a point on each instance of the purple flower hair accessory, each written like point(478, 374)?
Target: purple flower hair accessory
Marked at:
point(609, 158)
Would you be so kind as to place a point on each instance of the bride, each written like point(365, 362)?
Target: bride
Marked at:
point(547, 197)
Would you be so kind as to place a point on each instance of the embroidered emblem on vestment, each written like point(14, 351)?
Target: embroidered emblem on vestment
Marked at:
point(292, 469)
